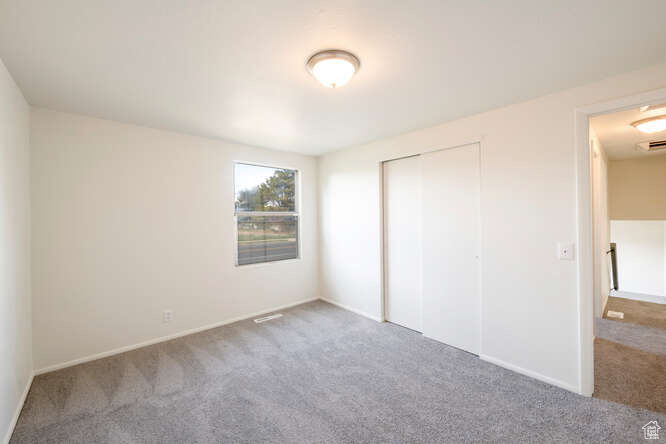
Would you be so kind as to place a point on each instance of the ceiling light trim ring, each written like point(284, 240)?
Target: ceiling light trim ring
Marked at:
point(333, 54)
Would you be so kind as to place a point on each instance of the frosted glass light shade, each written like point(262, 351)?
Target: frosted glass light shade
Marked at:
point(333, 68)
point(651, 125)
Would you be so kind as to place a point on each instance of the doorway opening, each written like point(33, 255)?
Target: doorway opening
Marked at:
point(628, 204)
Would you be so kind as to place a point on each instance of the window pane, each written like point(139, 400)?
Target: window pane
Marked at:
point(267, 238)
point(261, 188)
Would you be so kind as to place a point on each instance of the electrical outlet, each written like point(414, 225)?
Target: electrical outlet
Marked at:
point(167, 316)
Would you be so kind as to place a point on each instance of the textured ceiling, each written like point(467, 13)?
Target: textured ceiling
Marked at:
point(235, 69)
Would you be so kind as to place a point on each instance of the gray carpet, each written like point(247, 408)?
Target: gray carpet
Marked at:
point(652, 340)
point(629, 376)
point(630, 364)
point(319, 374)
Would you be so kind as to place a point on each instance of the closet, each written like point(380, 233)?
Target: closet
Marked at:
point(432, 245)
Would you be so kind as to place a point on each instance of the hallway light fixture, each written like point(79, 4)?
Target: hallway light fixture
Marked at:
point(333, 67)
point(651, 124)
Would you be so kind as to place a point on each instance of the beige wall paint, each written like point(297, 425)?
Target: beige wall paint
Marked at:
point(637, 188)
point(130, 221)
point(15, 302)
point(530, 309)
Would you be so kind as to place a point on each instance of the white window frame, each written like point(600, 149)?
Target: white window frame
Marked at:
point(296, 213)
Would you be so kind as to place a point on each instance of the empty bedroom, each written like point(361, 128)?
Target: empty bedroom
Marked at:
point(343, 222)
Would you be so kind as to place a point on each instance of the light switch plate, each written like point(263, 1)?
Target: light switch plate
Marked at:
point(565, 251)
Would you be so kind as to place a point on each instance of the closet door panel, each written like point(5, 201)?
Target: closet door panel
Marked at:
point(451, 246)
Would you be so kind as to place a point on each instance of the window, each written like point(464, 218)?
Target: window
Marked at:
point(266, 213)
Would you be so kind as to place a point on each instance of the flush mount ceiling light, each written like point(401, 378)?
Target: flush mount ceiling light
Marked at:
point(333, 67)
point(651, 124)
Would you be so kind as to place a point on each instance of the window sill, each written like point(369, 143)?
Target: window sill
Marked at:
point(267, 264)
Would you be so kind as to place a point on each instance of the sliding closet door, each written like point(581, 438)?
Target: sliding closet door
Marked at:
point(451, 247)
point(402, 242)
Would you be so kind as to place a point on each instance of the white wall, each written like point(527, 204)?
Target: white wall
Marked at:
point(641, 255)
point(636, 188)
point(528, 204)
point(15, 304)
point(601, 223)
point(129, 221)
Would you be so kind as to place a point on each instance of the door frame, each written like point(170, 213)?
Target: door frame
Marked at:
point(382, 236)
point(382, 230)
point(585, 220)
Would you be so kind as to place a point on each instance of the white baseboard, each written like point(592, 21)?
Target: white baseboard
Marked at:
point(17, 412)
point(655, 299)
point(126, 348)
point(353, 310)
point(530, 373)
